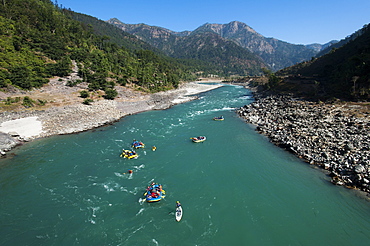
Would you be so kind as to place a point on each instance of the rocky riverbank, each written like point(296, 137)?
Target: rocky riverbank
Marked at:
point(331, 136)
point(77, 117)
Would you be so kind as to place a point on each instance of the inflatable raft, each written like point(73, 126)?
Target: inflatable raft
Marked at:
point(137, 144)
point(129, 154)
point(154, 193)
point(198, 139)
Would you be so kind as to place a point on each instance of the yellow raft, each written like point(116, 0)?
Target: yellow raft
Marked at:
point(129, 154)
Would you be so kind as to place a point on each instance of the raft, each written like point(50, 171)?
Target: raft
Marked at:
point(137, 144)
point(198, 139)
point(154, 193)
point(219, 118)
point(129, 154)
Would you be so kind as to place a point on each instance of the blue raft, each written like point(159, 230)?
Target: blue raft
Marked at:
point(137, 144)
point(154, 193)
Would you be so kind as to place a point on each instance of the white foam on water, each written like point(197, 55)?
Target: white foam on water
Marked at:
point(141, 201)
point(139, 167)
point(222, 109)
point(140, 211)
point(119, 174)
point(245, 97)
point(155, 241)
point(110, 186)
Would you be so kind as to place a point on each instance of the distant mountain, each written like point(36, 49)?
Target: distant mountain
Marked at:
point(344, 72)
point(227, 56)
point(158, 37)
point(275, 53)
point(319, 47)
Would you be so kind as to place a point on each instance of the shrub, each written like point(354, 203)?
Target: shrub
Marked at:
point(88, 101)
point(41, 102)
point(110, 94)
point(10, 100)
point(84, 94)
point(71, 83)
point(27, 102)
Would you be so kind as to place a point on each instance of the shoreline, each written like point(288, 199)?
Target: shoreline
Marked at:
point(19, 127)
point(328, 136)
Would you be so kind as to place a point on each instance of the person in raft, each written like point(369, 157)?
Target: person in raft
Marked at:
point(178, 204)
point(132, 153)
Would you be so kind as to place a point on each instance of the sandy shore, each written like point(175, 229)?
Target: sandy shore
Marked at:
point(65, 119)
point(26, 127)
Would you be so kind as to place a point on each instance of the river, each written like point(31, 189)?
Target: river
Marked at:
point(236, 188)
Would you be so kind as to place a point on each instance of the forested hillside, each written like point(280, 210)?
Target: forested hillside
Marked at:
point(102, 28)
point(227, 57)
point(39, 40)
point(342, 73)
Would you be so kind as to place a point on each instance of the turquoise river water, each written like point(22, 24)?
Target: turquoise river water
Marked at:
point(236, 188)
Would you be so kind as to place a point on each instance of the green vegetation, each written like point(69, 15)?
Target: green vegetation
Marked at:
point(88, 101)
point(343, 73)
point(110, 93)
point(10, 100)
point(39, 40)
point(215, 55)
point(28, 102)
point(84, 94)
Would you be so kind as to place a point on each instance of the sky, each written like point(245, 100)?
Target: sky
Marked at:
point(296, 22)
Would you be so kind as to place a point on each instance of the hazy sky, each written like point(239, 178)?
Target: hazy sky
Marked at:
point(297, 22)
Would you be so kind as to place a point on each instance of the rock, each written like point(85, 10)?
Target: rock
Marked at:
point(7, 143)
point(13, 134)
point(360, 169)
point(322, 134)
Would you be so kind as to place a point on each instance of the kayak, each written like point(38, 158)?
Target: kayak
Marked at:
point(199, 139)
point(136, 144)
point(154, 193)
point(129, 154)
point(178, 213)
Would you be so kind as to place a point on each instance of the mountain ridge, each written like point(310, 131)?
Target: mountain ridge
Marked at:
point(275, 53)
point(174, 43)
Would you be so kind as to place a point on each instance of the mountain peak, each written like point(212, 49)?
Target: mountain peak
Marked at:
point(237, 25)
point(229, 29)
